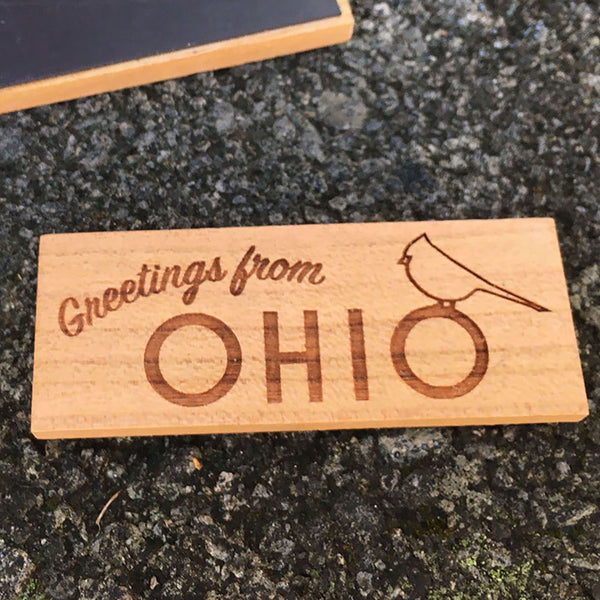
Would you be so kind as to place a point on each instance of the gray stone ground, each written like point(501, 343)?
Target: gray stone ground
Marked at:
point(437, 109)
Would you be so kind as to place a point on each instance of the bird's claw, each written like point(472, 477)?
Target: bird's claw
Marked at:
point(447, 303)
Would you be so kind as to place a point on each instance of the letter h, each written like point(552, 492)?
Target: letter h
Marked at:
point(274, 358)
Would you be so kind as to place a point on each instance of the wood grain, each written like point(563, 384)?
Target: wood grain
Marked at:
point(303, 327)
point(180, 63)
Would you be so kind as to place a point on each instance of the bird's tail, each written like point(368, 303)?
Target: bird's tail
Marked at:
point(503, 293)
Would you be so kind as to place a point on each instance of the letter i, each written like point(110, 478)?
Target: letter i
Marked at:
point(359, 357)
point(154, 280)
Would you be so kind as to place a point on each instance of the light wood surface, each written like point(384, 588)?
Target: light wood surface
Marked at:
point(218, 55)
point(332, 326)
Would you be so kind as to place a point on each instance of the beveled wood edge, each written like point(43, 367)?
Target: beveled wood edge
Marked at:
point(44, 433)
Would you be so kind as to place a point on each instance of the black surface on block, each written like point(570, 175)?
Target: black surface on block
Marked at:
point(45, 38)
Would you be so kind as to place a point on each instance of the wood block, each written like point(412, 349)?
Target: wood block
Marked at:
point(57, 51)
point(303, 327)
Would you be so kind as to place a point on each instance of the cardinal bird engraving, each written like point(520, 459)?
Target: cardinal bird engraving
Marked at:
point(423, 262)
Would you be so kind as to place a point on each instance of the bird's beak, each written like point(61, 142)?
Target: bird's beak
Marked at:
point(404, 260)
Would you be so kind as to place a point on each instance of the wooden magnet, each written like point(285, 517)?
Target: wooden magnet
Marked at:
point(55, 51)
point(303, 327)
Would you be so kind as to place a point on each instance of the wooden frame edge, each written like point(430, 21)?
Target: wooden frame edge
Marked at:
point(181, 63)
point(43, 433)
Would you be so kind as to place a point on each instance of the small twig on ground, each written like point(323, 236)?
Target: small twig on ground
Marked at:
point(105, 508)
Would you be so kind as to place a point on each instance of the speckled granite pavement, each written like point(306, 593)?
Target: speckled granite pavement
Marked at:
point(437, 109)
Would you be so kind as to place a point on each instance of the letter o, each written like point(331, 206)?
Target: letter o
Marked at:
point(398, 352)
point(167, 391)
point(283, 267)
